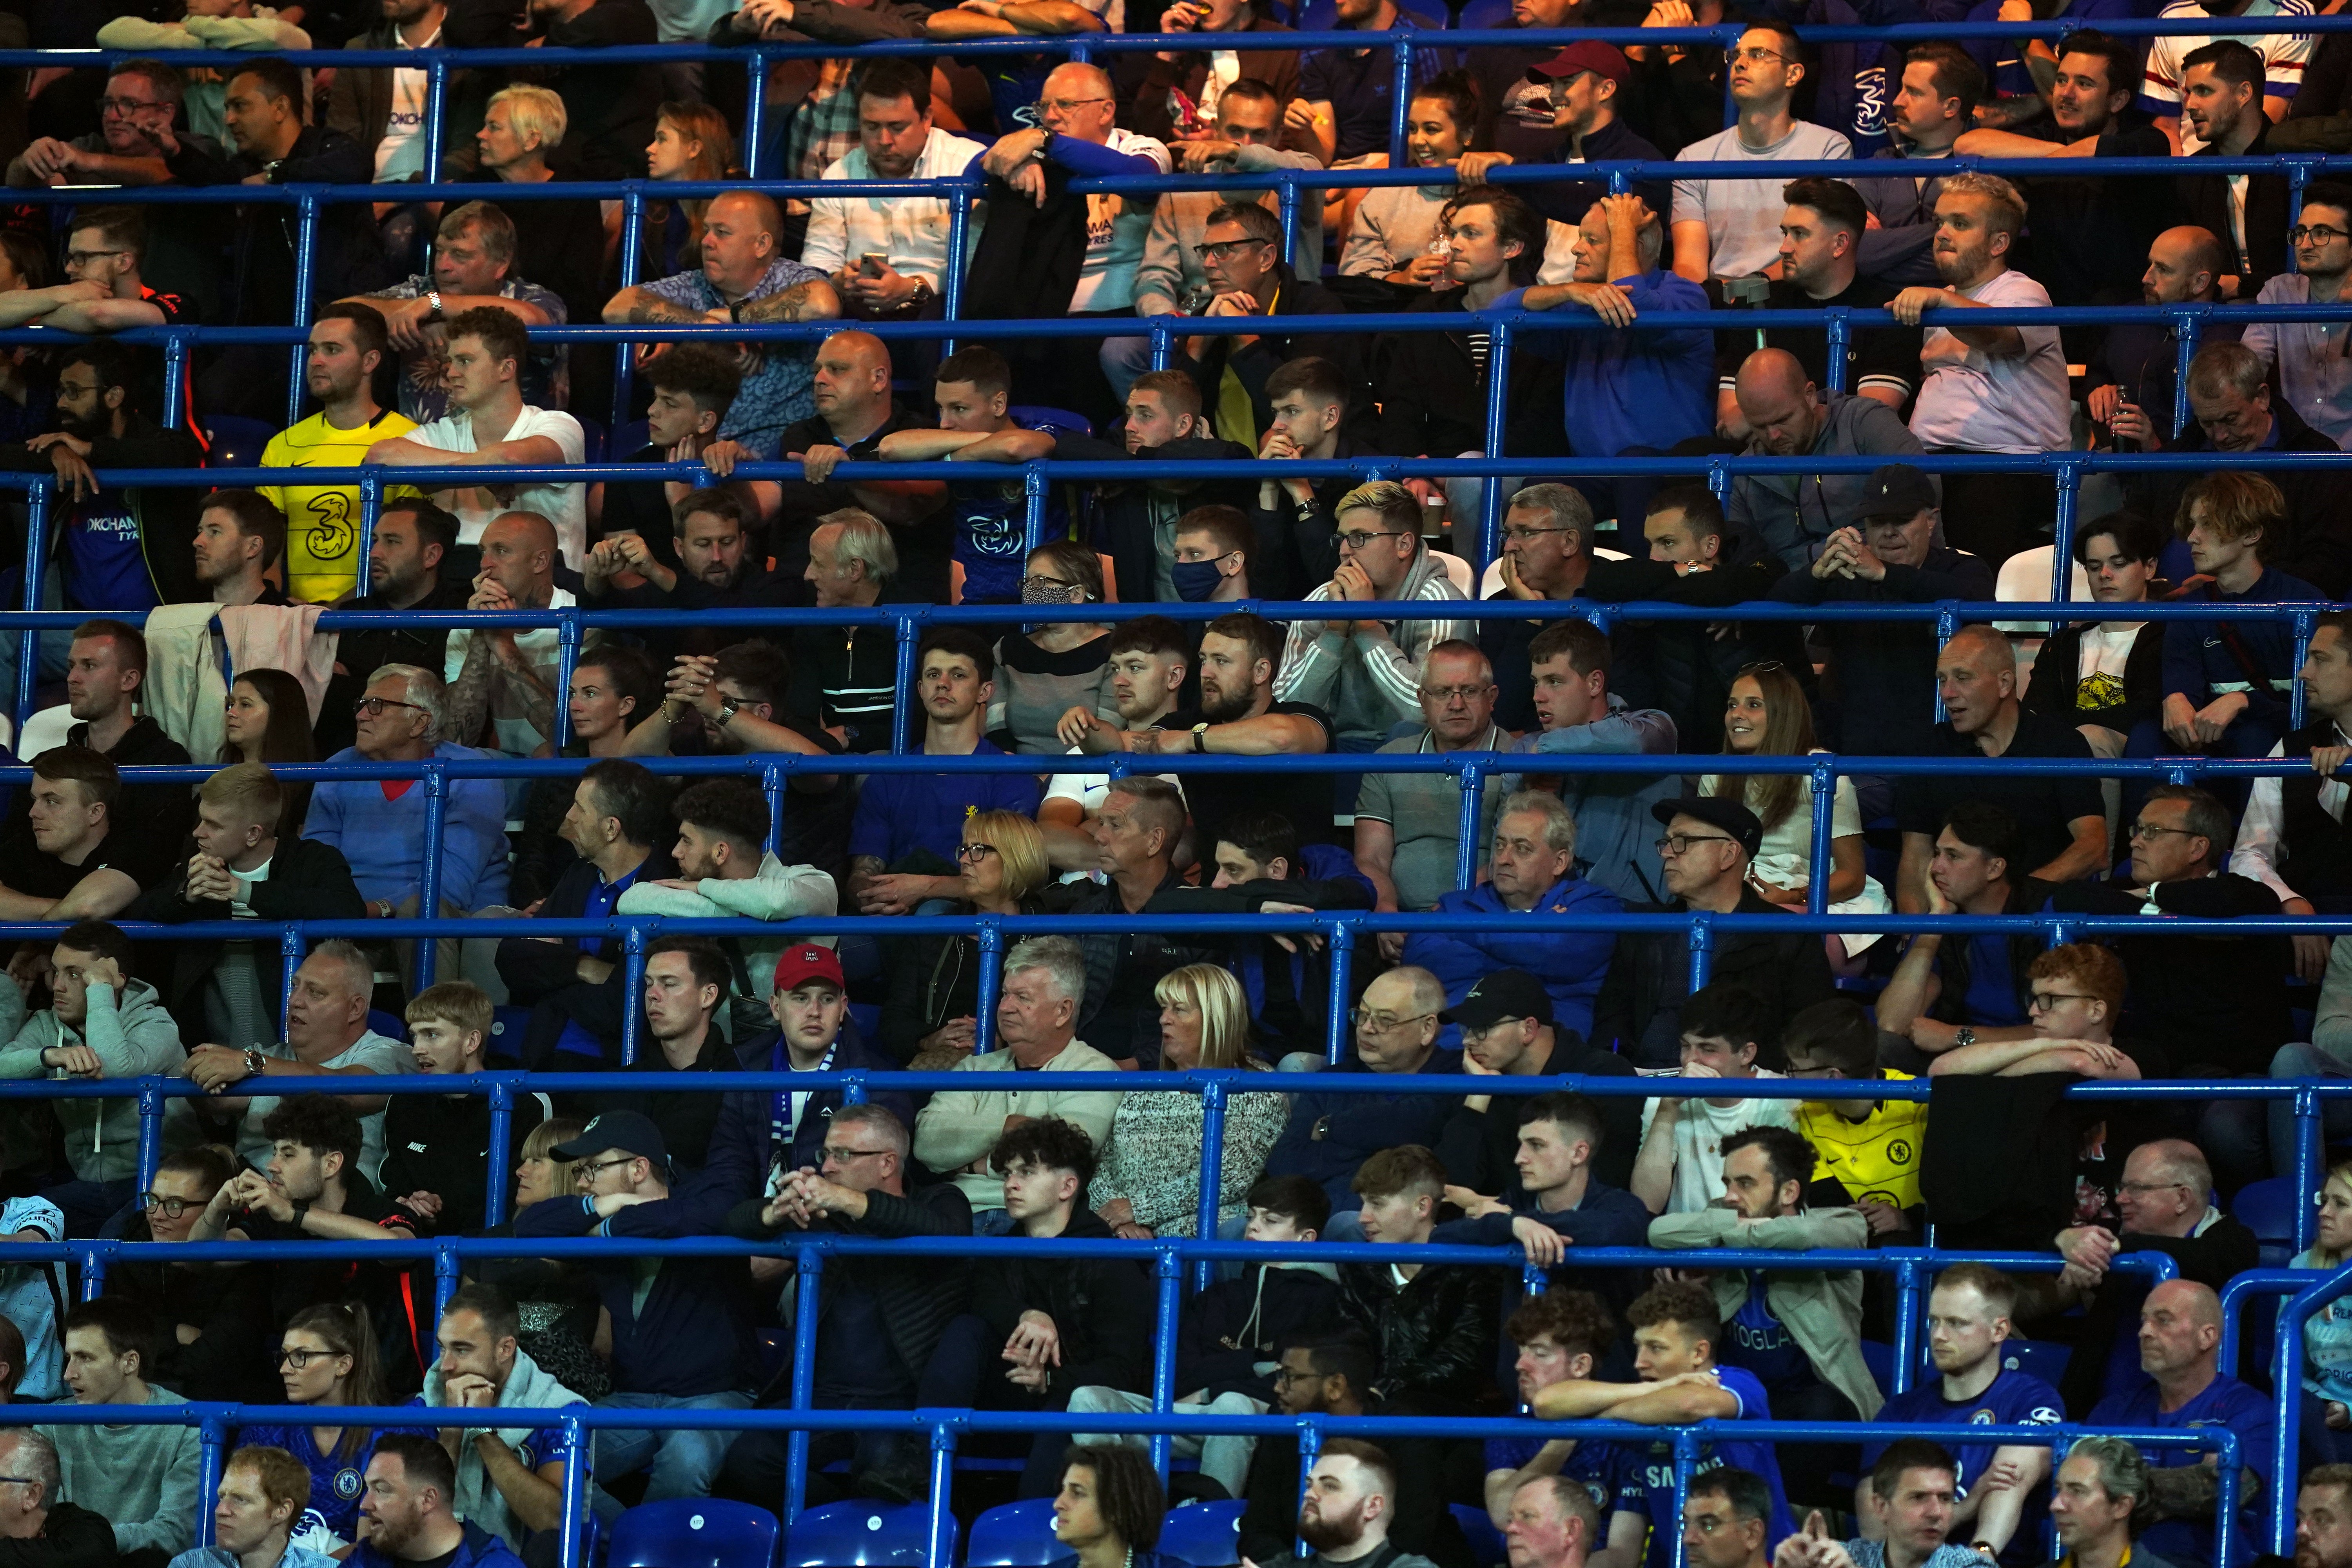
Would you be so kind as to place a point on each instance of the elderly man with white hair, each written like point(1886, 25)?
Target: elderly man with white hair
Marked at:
point(1036, 1027)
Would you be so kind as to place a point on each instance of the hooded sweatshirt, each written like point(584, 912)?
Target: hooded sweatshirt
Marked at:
point(776, 892)
point(133, 1037)
point(529, 1387)
point(1369, 682)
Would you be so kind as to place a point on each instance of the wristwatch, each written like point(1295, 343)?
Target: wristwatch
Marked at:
point(433, 303)
point(1964, 1035)
point(253, 1061)
point(728, 707)
point(1201, 738)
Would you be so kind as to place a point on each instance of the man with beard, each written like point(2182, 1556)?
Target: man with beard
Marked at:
point(1350, 1504)
point(105, 292)
point(2220, 98)
point(1998, 389)
point(713, 571)
point(2309, 361)
point(348, 341)
point(2135, 375)
point(409, 1507)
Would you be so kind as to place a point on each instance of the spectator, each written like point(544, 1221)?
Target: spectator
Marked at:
point(1330, 1135)
point(1767, 716)
point(240, 535)
point(723, 871)
point(2166, 86)
point(1704, 561)
point(1109, 1507)
point(681, 1340)
point(1889, 554)
point(490, 426)
point(1968, 1314)
point(348, 343)
point(1724, 229)
point(1137, 524)
point(105, 676)
point(382, 832)
point(1226, 1332)
point(1037, 1025)
point(1531, 867)
point(2324, 1380)
point(1937, 92)
point(931, 1004)
point(1245, 275)
point(619, 815)
point(972, 386)
point(327, 1034)
point(1549, 1521)
point(67, 858)
point(269, 722)
point(2106, 677)
point(1183, 93)
point(1260, 868)
point(613, 688)
point(243, 866)
point(264, 1497)
point(1397, 233)
point(384, 110)
point(1675, 1329)
point(209, 1322)
point(851, 390)
point(410, 1506)
point(2291, 824)
point(1149, 1180)
point(105, 292)
point(2180, 1330)
point(1145, 674)
point(2225, 701)
point(2319, 1515)
point(1557, 1202)
point(2061, 823)
point(414, 540)
point(1351, 1501)
point(1785, 415)
point(887, 258)
point(1345, 96)
point(71, 1537)
point(1995, 389)
point(1041, 674)
point(1709, 844)
point(142, 99)
point(2308, 382)
point(509, 1480)
point(1645, 389)
point(1327, 1375)
point(2100, 1502)
point(1910, 1497)
point(2219, 85)
point(329, 1358)
point(473, 269)
point(1245, 136)
point(849, 680)
point(1680, 1167)
point(1562, 1334)
point(2230, 399)
point(1365, 674)
point(858, 1187)
point(2136, 369)
point(1564, 108)
point(559, 244)
point(1938, 998)
point(1058, 1324)
point(437, 1147)
point(694, 385)
point(905, 814)
point(1433, 1327)
point(1310, 399)
point(1868, 1149)
point(688, 1012)
point(1507, 1031)
point(1407, 824)
point(264, 112)
point(140, 1479)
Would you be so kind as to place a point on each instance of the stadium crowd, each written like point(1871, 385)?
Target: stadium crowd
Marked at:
point(199, 641)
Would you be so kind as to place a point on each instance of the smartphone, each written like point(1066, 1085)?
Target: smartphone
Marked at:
point(872, 263)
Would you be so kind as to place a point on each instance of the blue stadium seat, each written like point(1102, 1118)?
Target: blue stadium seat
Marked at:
point(1033, 413)
point(2268, 1208)
point(1205, 1535)
point(1015, 1535)
point(2046, 1358)
point(693, 1533)
point(235, 442)
point(1485, 1540)
point(859, 1535)
point(509, 1025)
point(389, 1024)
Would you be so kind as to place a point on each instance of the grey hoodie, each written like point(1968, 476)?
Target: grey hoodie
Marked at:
point(1791, 514)
point(529, 1387)
point(143, 1479)
point(1370, 682)
point(132, 1038)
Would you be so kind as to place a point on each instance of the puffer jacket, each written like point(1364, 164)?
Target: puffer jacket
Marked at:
point(133, 1037)
point(1103, 1307)
point(1434, 1334)
point(1571, 964)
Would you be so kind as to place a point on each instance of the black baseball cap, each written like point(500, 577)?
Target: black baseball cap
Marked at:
point(1506, 994)
point(1897, 490)
point(629, 1132)
point(1716, 811)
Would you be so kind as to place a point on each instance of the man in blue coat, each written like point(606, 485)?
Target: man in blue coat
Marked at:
point(1532, 868)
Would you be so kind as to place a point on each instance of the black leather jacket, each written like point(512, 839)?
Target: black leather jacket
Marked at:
point(1435, 1334)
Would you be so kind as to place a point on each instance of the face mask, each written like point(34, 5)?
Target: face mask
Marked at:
point(1043, 594)
point(1195, 581)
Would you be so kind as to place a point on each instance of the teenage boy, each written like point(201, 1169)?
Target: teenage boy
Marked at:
point(1680, 1167)
point(437, 1147)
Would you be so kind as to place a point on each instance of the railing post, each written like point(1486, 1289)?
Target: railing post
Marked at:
point(1839, 332)
point(567, 658)
point(2186, 326)
point(1034, 486)
point(633, 986)
point(2304, 622)
point(1490, 494)
point(94, 1259)
point(624, 355)
point(1310, 1443)
point(1906, 1324)
point(1824, 783)
point(37, 567)
point(501, 1152)
point(371, 509)
point(1163, 344)
point(991, 983)
point(212, 1457)
point(153, 1104)
point(428, 880)
point(1702, 949)
point(1213, 1166)
point(2298, 174)
point(1169, 1270)
point(1336, 1036)
point(902, 702)
point(579, 1442)
point(755, 112)
point(2069, 480)
point(305, 251)
point(290, 945)
point(175, 378)
point(2308, 1156)
point(941, 1547)
point(959, 241)
point(1286, 203)
point(1400, 97)
point(811, 1260)
point(437, 96)
point(1947, 627)
point(771, 790)
point(1473, 820)
point(447, 1274)
point(1685, 1458)
point(854, 1089)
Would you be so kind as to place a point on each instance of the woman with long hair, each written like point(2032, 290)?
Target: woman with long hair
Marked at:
point(1765, 715)
point(328, 1356)
point(691, 143)
point(269, 720)
point(932, 1003)
point(2327, 1333)
point(1044, 672)
point(1148, 1183)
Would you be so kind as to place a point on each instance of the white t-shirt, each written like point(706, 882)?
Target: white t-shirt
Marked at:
point(1699, 1133)
point(400, 156)
point(565, 505)
point(1115, 235)
point(1089, 789)
point(1971, 402)
point(1785, 857)
point(2107, 649)
point(1743, 216)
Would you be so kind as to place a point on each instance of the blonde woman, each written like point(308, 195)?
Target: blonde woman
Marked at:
point(1149, 1182)
point(2327, 1333)
point(556, 1302)
point(929, 1012)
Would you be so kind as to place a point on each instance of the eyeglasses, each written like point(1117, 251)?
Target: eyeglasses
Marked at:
point(1522, 533)
point(843, 1156)
point(128, 105)
point(1680, 843)
point(1759, 57)
point(2317, 233)
point(171, 1208)
point(1226, 248)
point(592, 1171)
point(2149, 830)
point(1359, 538)
point(76, 390)
point(1045, 106)
point(973, 854)
point(1385, 1022)
point(373, 707)
point(2047, 1001)
point(1284, 1377)
point(2137, 1187)
point(1452, 694)
point(301, 1360)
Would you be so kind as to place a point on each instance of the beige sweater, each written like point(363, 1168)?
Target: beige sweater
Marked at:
point(959, 1126)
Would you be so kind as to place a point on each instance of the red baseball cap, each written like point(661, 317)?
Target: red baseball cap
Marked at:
point(800, 965)
point(1589, 55)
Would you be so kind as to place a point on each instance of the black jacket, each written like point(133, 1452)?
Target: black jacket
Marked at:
point(1434, 1335)
point(1885, 671)
point(2057, 671)
point(609, 110)
point(1432, 395)
point(1479, 1148)
point(1639, 1011)
point(2318, 545)
point(1124, 516)
point(1252, 365)
point(1102, 1306)
point(361, 651)
point(1227, 1330)
point(2315, 852)
point(346, 258)
point(1299, 546)
point(441, 1145)
point(915, 1296)
point(309, 880)
point(229, 1358)
point(1122, 969)
point(544, 976)
point(2201, 998)
point(167, 516)
point(2205, 199)
point(70, 1537)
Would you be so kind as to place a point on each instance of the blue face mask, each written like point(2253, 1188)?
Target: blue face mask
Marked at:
point(1195, 581)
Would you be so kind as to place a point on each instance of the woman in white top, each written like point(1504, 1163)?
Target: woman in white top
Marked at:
point(1398, 231)
point(1765, 715)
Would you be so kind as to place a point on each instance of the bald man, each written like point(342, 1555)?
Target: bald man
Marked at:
point(2133, 371)
point(2062, 823)
point(2179, 1336)
point(854, 411)
point(745, 278)
point(1785, 413)
point(508, 680)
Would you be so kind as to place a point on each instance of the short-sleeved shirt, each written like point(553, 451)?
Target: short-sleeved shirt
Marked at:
point(2042, 806)
point(1653, 1472)
point(1358, 86)
point(776, 385)
point(2224, 1402)
point(330, 1520)
point(900, 812)
point(1423, 812)
point(322, 522)
point(1973, 401)
point(372, 1051)
point(546, 368)
point(2016, 1398)
point(103, 558)
point(2284, 54)
point(1884, 357)
point(565, 505)
point(1743, 216)
point(1875, 1158)
point(1699, 1133)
